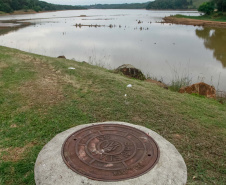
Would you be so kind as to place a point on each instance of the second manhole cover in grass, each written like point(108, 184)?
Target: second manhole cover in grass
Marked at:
point(110, 152)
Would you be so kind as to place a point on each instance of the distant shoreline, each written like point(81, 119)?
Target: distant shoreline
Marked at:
point(188, 10)
point(194, 22)
point(21, 12)
point(14, 23)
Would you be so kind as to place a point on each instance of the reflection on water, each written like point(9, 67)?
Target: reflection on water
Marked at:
point(5, 29)
point(116, 37)
point(214, 39)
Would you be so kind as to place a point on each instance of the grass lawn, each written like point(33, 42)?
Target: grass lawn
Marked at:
point(40, 97)
point(214, 17)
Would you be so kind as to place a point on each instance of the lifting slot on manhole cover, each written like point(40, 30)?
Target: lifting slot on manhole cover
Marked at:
point(110, 152)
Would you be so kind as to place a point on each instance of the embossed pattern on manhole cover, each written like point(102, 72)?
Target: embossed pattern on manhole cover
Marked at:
point(110, 152)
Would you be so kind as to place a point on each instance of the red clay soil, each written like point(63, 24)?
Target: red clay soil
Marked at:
point(194, 22)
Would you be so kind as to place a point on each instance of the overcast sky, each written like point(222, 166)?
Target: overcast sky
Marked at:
point(89, 2)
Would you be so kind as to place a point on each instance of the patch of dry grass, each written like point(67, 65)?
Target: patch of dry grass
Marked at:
point(14, 154)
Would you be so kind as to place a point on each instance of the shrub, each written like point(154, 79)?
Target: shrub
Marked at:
point(207, 8)
point(37, 8)
point(178, 82)
point(26, 8)
point(5, 8)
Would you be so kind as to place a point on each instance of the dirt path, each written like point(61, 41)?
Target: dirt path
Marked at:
point(195, 22)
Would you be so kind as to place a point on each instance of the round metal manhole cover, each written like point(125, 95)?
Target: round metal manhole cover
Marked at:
point(110, 152)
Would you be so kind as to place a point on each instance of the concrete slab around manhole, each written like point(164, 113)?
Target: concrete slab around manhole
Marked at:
point(50, 168)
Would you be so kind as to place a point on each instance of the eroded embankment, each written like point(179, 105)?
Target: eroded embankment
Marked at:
point(194, 22)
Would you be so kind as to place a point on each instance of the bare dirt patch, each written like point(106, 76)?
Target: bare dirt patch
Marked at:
point(25, 58)
point(194, 22)
point(137, 119)
point(15, 154)
point(42, 91)
point(46, 88)
point(177, 136)
point(13, 126)
point(159, 83)
point(3, 65)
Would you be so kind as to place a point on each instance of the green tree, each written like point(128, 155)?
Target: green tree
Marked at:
point(25, 8)
point(168, 4)
point(37, 8)
point(15, 5)
point(11, 5)
point(5, 7)
point(221, 5)
point(207, 8)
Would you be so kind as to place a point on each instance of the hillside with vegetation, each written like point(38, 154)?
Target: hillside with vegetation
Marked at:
point(9, 6)
point(43, 96)
point(119, 6)
point(175, 4)
point(221, 5)
point(213, 15)
point(168, 4)
point(157, 4)
point(196, 3)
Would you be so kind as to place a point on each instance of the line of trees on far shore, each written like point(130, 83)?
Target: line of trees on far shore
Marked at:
point(209, 5)
point(9, 6)
point(36, 5)
point(169, 4)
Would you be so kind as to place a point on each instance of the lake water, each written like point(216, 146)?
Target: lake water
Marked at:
point(162, 51)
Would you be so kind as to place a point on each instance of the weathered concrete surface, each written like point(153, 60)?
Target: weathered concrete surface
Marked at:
point(51, 170)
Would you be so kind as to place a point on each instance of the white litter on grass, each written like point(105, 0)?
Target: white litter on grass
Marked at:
point(125, 95)
point(129, 85)
point(71, 68)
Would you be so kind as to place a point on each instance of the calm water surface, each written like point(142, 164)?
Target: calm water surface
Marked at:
point(163, 51)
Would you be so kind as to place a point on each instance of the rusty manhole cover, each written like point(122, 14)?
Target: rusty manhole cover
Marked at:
point(110, 152)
